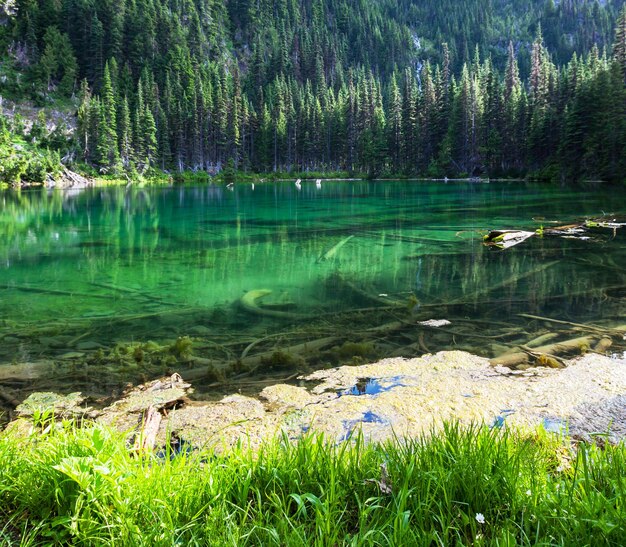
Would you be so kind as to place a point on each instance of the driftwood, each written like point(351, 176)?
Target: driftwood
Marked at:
point(618, 330)
point(146, 439)
point(508, 238)
point(258, 341)
point(505, 239)
point(299, 349)
point(541, 340)
point(68, 179)
point(550, 351)
point(603, 345)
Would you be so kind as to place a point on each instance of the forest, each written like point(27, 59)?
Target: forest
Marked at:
point(391, 88)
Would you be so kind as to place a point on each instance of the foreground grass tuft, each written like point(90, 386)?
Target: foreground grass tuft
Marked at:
point(67, 485)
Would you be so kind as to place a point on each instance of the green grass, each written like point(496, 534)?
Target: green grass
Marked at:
point(67, 485)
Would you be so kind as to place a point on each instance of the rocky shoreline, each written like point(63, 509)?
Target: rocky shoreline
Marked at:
point(391, 398)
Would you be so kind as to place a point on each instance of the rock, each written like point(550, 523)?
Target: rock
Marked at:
point(159, 394)
point(63, 406)
point(281, 397)
point(605, 417)
point(220, 425)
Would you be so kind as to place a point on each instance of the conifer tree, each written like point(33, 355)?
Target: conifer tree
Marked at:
point(619, 45)
point(108, 152)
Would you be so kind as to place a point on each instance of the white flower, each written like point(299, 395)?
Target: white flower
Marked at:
point(480, 518)
point(529, 493)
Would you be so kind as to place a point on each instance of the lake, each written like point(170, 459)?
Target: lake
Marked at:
point(238, 287)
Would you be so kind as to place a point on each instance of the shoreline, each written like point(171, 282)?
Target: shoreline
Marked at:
point(391, 397)
point(135, 473)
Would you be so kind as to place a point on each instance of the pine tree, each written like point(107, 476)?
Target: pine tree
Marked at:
point(108, 151)
point(619, 45)
point(85, 122)
point(395, 129)
point(125, 134)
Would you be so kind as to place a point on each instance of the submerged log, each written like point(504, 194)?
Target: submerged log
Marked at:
point(541, 340)
point(603, 345)
point(488, 289)
point(56, 292)
point(207, 368)
point(25, 371)
point(305, 348)
point(617, 330)
point(333, 250)
point(250, 303)
point(340, 285)
point(544, 353)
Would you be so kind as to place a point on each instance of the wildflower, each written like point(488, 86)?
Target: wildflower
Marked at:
point(529, 493)
point(480, 518)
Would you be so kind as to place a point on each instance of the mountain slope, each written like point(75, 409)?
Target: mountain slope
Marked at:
point(389, 86)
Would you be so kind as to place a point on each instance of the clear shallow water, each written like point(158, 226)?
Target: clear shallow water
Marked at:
point(110, 266)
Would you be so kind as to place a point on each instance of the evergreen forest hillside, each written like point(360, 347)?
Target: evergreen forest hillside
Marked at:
point(387, 88)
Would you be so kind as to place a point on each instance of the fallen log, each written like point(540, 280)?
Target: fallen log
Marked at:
point(618, 330)
point(146, 438)
point(41, 290)
point(333, 250)
point(541, 340)
point(506, 283)
point(207, 368)
point(250, 303)
point(603, 345)
point(549, 351)
point(339, 284)
point(25, 371)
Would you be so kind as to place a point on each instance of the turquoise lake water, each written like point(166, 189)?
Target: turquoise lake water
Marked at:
point(85, 272)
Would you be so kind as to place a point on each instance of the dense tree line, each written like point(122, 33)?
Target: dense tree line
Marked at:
point(415, 87)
